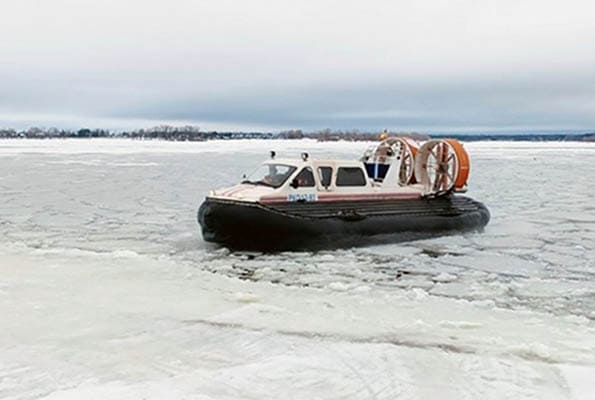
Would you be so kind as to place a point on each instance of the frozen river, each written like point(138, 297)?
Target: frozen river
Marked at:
point(107, 290)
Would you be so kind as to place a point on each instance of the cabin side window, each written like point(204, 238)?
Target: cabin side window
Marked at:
point(350, 176)
point(325, 174)
point(305, 178)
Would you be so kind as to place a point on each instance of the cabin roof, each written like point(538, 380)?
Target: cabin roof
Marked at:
point(298, 162)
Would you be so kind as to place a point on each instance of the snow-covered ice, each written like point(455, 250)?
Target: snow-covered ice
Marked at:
point(107, 290)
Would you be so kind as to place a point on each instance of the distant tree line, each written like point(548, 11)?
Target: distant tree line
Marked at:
point(354, 135)
point(42, 133)
point(194, 133)
point(162, 132)
point(189, 133)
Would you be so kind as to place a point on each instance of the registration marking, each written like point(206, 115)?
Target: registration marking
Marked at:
point(308, 197)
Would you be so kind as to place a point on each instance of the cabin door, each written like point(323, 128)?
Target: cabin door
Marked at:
point(303, 187)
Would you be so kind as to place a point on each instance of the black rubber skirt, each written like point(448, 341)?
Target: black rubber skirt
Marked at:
point(318, 225)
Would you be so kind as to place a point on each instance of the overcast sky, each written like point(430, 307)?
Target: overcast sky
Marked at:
point(270, 65)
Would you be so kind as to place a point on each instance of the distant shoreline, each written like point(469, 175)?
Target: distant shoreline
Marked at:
point(585, 137)
point(194, 134)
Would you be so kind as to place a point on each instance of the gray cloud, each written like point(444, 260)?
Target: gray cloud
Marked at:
point(436, 65)
point(473, 105)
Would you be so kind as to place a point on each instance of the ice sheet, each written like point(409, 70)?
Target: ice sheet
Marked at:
point(107, 290)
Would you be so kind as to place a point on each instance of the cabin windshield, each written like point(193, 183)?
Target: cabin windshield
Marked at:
point(272, 175)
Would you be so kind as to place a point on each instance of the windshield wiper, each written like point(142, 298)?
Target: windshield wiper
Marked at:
point(247, 182)
point(264, 184)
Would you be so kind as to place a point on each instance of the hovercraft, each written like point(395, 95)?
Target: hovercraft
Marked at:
point(397, 191)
